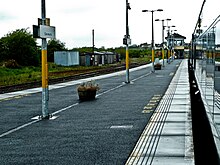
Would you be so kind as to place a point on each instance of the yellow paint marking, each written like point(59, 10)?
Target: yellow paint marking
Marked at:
point(154, 101)
point(147, 111)
point(157, 95)
point(44, 69)
point(147, 107)
point(127, 59)
point(150, 104)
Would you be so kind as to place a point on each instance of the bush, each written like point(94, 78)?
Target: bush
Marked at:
point(20, 46)
point(12, 64)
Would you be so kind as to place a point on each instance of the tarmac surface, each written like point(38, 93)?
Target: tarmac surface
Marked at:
point(102, 131)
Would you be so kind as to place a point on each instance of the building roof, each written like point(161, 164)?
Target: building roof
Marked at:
point(176, 36)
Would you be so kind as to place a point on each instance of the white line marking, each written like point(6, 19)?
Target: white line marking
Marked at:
point(141, 77)
point(121, 127)
point(37, 119)
point(64, 109)
point(119, 86)
point(171, 74)
point(18, 128)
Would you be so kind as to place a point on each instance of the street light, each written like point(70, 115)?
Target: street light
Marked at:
point(152, 43)
point(169, 41)
point(172, 43)
point(127, 41)
point(163, 28)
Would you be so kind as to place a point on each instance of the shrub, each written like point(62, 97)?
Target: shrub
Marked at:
point(12, 64)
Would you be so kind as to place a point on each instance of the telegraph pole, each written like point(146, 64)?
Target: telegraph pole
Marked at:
point(45, 90)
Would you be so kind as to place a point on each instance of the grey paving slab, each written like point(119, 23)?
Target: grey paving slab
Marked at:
point(174, 128)
point(170, 143)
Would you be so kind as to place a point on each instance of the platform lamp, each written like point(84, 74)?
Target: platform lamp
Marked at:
point(169, 44)
point(127, 42)
point(163, 28)
point(152, 43)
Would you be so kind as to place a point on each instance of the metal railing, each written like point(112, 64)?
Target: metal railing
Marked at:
point(206, 47)
point(205, 57)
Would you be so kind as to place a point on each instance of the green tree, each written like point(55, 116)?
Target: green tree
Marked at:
point(52, 46)
point(121, 51)
point(86, 50)
point(20, 46)
point(3, 51)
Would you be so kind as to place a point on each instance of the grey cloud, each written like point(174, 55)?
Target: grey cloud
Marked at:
point(5, 16)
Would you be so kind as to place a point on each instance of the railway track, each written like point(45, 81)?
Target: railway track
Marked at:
point(76, 76)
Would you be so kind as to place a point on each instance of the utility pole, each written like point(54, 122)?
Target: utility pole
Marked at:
point(45, 90)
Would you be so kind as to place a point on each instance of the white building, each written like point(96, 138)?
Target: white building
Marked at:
point(66, 58)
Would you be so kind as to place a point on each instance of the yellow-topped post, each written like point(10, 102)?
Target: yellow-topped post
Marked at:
point(152, 43)
point(45, 90)
point(126, 41)
point(163, 28)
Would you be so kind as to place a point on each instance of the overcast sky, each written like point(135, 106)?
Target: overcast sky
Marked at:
point(75, 19)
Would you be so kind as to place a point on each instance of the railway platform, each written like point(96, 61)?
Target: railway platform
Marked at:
point(147, 121)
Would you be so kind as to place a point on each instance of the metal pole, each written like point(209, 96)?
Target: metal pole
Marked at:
point(93, 47)
point(127, 36)
point(163, 42)
point(45, 91)
point(192, 50)
point(153, 70)
point(194, 53)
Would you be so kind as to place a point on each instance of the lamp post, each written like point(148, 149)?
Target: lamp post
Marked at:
point(172, 44)
point(152, 43)
point(163, 28)
point(127, 41)
point(169, 42)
